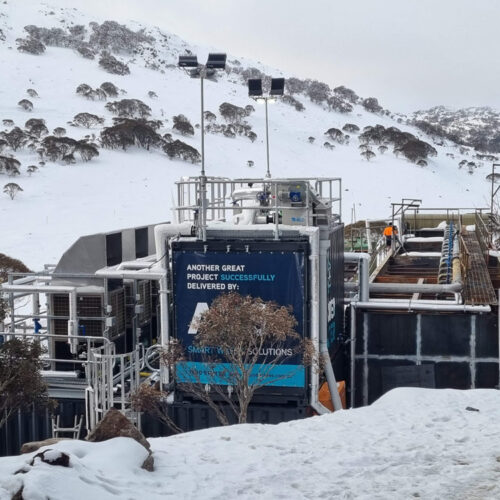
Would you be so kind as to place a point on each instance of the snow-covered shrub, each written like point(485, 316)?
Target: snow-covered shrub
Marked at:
point(209, 116)
point(16, 138)
point(152, 95)
point(311, 139)
point(87, 120)
point(351, 128)
point(130, 132)
point(181, 150)
point(288, 99)
point(36, 127)
point(116, 37)
point(327, 145)
point(32, 92)
point(7, 122)
point(83, 89)
point(64, 148)
point(295, 85)
point(338, 104)
point(110, 88)
point(9, 164)
point(336, 135)
point(129, 108)
point(52, 37)
point(86, 52)
point(59, 131)
point(31, 169)
point(30, 46)
point(318, 92)
point(371, 104)
point(182, 125)
point(346, 94)
point(112, 65)
point(231, 112)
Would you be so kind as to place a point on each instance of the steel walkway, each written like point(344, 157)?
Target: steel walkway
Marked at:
point(478, 288)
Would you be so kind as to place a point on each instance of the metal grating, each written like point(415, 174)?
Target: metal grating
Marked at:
point(117, 302)
point(144, 290)
point(60, 305)
point(478, 288)
point(89, 306)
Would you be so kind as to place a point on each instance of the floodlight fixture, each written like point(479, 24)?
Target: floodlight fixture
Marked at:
point(188, 61)
point(255, 87)
point(216, 61)
point(277, 86)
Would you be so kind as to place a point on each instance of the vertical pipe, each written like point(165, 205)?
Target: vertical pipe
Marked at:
point(353, 354)
point(368, 236)
point(268, 173)
point(203, 179)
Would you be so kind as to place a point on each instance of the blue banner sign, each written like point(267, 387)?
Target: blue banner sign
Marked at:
point(199, 277)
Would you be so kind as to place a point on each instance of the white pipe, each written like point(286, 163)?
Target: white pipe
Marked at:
point(363, 260)
point(417, 301)
point(318, 335)
point(129, 274)
point(162, 233)
point(368, 236)
point(409, 305)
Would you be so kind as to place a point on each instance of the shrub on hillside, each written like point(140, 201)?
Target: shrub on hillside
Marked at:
point(25, 104)
point(182, 125)
point(290, 100)
point(87, 120)
point(116, 37)
point(30, 46)
point(181, 150)
point(371, 104)
point(112, 65)
point(129, 132)
point(16, 138)
point(129, 108)
point(110, 88)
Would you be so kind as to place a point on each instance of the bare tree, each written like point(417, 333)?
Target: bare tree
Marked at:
point(252, 338)
point(21, 384)
point(12, 189)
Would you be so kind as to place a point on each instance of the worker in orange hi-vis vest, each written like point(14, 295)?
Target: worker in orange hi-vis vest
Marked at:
point(388, 232)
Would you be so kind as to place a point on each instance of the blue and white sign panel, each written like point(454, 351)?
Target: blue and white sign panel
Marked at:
point(199, 277)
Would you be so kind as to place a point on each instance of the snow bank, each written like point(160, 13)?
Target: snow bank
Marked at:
point(410, 443)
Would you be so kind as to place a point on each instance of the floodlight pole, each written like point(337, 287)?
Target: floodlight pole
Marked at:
point(268, 173)
point(203, 178)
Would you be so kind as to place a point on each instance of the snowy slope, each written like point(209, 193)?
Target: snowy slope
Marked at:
point(60, 202)
point(412, 443)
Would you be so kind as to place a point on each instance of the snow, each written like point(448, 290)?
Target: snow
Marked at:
point(61, 203)
point(410, 443)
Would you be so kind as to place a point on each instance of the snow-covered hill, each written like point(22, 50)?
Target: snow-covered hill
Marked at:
point(60, 201)
point(412, 443)
point(477, 128)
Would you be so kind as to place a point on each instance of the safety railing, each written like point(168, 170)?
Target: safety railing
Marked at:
point(326, 192)
point(483, 236)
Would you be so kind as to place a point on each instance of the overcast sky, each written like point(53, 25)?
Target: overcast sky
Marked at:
point(411, 54)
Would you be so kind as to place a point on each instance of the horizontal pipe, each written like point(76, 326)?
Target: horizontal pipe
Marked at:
point(410, 305)
point(130, 274)
point(408, 287)
point(38, 288)
point(415, 287)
